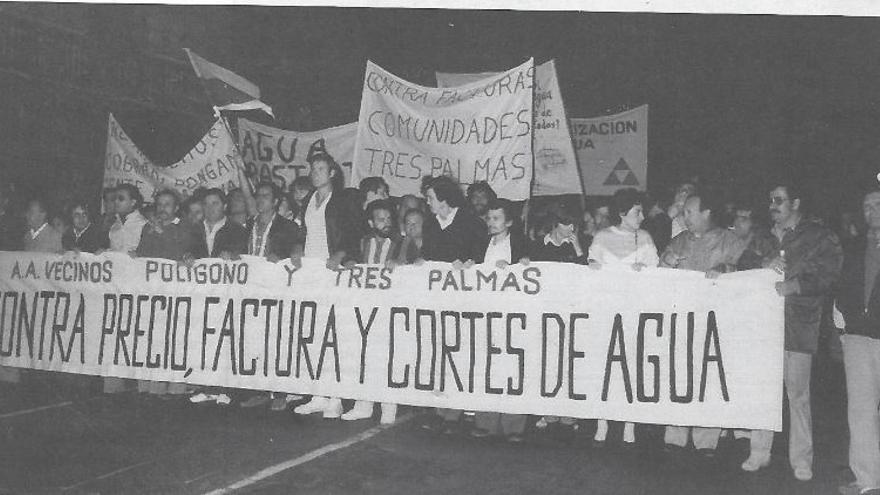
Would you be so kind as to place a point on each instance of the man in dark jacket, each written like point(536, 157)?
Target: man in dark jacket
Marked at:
point(810, 256)
point(218, 237)
point(270, 235)
point(452, 233)
point(858, 299)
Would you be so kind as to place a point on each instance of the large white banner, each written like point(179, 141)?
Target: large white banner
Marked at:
point(658, 346)
point(213, 162)
point(555, 163)
point(478, 132)
point(612, 151)
point(281, 156)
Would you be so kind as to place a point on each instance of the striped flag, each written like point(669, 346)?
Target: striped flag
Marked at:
point(226, 89)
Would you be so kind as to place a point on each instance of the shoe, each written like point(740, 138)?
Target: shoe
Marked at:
point(542, 423)
point(361, 410)
point(223, 400)
point(316, 405)
point(202, 397)
point(279, 403)
point(292, 398)
point(255, 401)
point(333, 409)
point(389, 413)
point(803, 473)
point(754, 463)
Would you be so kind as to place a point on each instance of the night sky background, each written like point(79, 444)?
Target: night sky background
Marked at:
point(738, 100)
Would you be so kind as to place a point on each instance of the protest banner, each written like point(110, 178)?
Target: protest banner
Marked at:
point(281, 156)
point(213, 162)
point(657, 346)
point(556, 169)
point(478, 132)
point(612, 151)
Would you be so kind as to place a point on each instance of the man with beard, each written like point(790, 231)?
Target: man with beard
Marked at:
point(377, 247)
point(479, 195)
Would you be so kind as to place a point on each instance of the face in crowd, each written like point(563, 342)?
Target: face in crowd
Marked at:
point(321, 174)
point(300, 192)
point(601, 217)
point(563, 231)
point(382, 222)
point(479, 201)
point(79, 216)
point(195, 213)
point(35, 215)
point(215, 210)
point(497, 222)
point(381, 193)
point(742, 223)
point(284, 209)
point(683, 192)
point(437, 207)
point(110, 202)
point(125, 204)
point(589, 223)
point(782, 208)
point(871, 209)
point(696, 221)
point(412, 224)
point(632, 220)
point(166, 208)
point(265, 198)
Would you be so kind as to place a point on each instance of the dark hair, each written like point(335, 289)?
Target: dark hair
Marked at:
point(446, 189)
point(623, 201)
point(379, 204)
point(414, 211)
point(792, 189)
point(133, 193)
point(276, 191)
point(504, 205)
point(167, 192)
point(714, 202)
point(294, 208)
point(483, 187)
point(557, 214)
point(79, 203)
point(303, 181)
point(372, 184)
point(338, 178)
point(215, 191)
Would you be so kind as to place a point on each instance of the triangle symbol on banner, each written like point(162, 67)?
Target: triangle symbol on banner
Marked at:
point(621, 175)
point(630, 180)
point(612, 179)
point(622, 166)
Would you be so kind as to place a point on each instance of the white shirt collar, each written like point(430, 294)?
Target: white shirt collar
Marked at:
point(35, 233)
point(548, 239)
point(446, 222)
point(217, 226)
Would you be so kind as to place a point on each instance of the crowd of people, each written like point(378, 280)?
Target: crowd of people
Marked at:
point(825, 273)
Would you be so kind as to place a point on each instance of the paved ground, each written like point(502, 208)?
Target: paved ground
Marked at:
point(83, 442)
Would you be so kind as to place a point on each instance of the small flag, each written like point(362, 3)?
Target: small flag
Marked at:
point(226, 89)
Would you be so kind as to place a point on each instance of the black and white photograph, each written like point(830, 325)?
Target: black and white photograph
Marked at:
point(488, 247)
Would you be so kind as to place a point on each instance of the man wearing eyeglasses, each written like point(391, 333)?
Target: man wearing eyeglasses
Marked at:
point(810, 257)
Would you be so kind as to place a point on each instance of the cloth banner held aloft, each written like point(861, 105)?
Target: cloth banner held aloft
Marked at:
point(612, 151)
point(556, 169)
point(281, 156)
point(658, 346)
point(478, 132)
point(213, 162)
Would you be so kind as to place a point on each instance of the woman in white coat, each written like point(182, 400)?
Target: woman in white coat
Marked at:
point(623, 245)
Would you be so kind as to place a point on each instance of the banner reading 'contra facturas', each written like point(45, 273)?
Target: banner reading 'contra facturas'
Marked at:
point(660, 346)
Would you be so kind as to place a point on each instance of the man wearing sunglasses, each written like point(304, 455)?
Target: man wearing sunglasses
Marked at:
point(810, 257)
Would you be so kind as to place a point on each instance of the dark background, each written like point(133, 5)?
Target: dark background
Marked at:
point(737, 100)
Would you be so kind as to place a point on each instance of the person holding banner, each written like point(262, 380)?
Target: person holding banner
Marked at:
point(858, 299)
point(330, 236)
point(218, 237)
point(274, 238)
point(84, 235)
point(125, 235)
point(504, 247)
point(479, 195)
point(705, 247)
point(165, 237)
point(810, 256)
point(378, 247)
point(676, 209)
point(454, 235)
point(624, 244)
point(413, 240)
point(41, 237)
